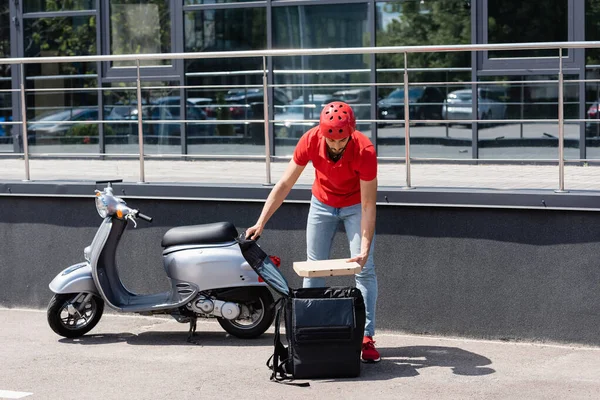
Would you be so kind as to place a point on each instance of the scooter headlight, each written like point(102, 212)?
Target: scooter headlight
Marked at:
point(101, 206)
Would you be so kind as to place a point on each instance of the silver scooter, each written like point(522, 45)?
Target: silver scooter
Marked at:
point(209, 278)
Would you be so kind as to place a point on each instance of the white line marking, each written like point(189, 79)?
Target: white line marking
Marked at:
point(7, 394)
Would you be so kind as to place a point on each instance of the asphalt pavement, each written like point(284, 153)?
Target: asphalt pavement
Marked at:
point(135, 357)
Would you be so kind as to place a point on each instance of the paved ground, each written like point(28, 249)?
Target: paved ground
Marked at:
point(149, 358)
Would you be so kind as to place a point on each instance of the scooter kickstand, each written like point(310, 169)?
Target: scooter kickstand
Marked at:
point(192, 330)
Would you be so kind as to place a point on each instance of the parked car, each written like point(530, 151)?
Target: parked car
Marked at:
point(359, 100)
point(48, 126)
point(298, 110)
point(425, 102)
point(162, 109)
point(490, 104)
point(592, 129)
point(247, 104)
point(5, 128)
point(205, 103)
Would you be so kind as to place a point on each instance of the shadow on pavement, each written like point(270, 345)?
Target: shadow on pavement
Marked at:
point(396, 362)
point(171, 338)
point(405, 362)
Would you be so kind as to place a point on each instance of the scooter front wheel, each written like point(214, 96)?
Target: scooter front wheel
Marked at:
point(259, 316)
point(71, 316)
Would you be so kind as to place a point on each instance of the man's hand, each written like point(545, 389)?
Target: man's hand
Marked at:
point(276, 197)
point(254, 232)
point(361, 259)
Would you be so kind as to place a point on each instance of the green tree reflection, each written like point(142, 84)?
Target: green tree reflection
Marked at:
point(410, 23)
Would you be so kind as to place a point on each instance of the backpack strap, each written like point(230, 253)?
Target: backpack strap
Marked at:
point(277, 362)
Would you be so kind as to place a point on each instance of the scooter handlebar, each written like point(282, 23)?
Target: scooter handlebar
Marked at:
point(144, 217)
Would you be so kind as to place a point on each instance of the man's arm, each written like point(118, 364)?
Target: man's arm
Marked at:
point(368, 197)
point(276, 197)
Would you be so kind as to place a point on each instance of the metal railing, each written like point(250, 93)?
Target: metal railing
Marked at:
point(405, 50)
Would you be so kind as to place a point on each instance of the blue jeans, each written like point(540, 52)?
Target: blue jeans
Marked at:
point(321, 227)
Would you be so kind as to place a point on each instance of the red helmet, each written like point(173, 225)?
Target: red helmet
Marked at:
point(337, 120)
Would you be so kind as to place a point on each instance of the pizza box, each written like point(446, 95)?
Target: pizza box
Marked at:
point(312, 269)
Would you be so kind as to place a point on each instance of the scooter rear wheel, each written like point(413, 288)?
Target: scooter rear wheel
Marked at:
point(262, 317)
point(66, 321)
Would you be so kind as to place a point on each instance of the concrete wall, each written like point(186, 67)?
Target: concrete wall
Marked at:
point(486, 273)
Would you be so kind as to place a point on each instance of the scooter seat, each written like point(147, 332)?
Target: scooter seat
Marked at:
point(218, 232)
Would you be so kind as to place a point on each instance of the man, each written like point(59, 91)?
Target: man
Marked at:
point(344, 190)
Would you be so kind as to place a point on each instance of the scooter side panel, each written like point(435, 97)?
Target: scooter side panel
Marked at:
point(211, 267)
point(75, 279)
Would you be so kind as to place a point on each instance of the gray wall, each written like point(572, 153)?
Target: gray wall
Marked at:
point(486, 273)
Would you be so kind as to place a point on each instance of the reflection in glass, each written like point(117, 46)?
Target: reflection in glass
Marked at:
point(294, 119)
point(158, 104)
point(57, 130)
point(4, 33)
point(592, 30)
point(592, 89)
point(414, 22)
point(232, 110)
point(5, 80)
point(286, 145)
point(225, 30)
point(422, 23)
point(140, 27)
point(192, 2)
point(527, 101)
point(242, 100)
point(516, 21)
point(321, 26)
point(31, 6)
point(52, 113)
point(299, 78)
point(592, 114)
point(60, 36)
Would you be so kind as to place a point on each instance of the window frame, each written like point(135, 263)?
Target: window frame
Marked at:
point(167, 72)
point(532, 65)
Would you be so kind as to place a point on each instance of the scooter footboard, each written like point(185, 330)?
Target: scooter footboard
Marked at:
point(75, 279)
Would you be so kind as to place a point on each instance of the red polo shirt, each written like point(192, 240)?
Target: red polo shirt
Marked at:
point(337, 184)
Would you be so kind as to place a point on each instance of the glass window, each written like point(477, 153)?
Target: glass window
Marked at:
point(517, 21)
point(225, 30)
point(160, 103)
point(415, 22)
point(140, 27)
point(321, 26)
point(51, 111)
point(192, 2)
point(4, 30)
point(5, 79)
point(242, 99)
point(31, 6)
point(309, 82)
point(60, 36)
point(592, 89)
point(527, 101)
point(592, 30)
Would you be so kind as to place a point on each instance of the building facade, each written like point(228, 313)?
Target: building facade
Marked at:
point(221, 99)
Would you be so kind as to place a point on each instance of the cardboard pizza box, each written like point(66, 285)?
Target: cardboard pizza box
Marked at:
point(313, 269)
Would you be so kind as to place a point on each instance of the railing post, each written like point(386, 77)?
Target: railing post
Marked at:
point(266, 118)
point(561, 127)
point(406, 123)
point(24, 124)
point(140, 126)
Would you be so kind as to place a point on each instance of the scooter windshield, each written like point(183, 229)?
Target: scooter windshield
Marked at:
point(264, 266)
